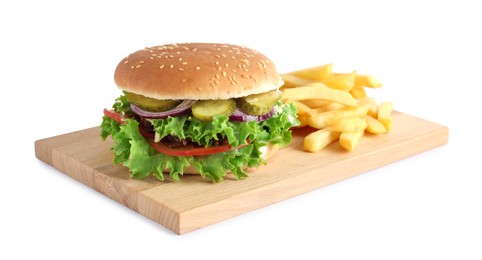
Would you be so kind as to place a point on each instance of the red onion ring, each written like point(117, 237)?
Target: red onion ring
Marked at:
point(181, 109)
point(240, 116)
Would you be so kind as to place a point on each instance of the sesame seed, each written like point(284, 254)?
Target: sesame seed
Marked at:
point(217, 76)
point(151, 58)
point(224, 55)
point(184, 80)
point(226, 65)
point(195, 49)
point(180, 69)
point(171, 66)
point(246, 70)
point(138, 66)
point(233, 70)
point(217, 56)
point(162, 66)
point(220, 68)
point(184, 63)
point(141, 62)
point(125, 62)
point(171, 56)
point(233, 57)
point(180, 59)
point(198, 68)
point(217, 62)
point(132, 66)
point(216, 82)
point(224, 73)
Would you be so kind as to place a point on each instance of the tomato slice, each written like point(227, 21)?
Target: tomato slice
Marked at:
point(116, 116)
point(190, 151)
point(183, 151)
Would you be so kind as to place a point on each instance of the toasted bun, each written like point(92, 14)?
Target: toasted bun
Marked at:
point(271, 150)
point(196, 71)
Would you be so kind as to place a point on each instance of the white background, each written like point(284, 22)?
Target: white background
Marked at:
point(56, 76)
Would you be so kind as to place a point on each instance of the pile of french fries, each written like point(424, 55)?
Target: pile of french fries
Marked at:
point(337, 105)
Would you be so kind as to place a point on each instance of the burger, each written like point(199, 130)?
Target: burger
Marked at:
point(197, 108)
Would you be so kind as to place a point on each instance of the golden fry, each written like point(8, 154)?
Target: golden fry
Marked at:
point(358, 92)
point(291, 81)
point(336, 104)
point(319, 140)
point(303, 110)
point(319, 91)
point(342, 81)
point(326, 119)
point(328, 107)
point(384, 114)
point(374, 126)
point(349, 124)
point(304, 121)
point(349, 140)
point(318, 73)
point(315, 103)
point(367, 81)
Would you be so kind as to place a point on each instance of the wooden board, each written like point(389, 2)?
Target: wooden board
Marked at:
point(195, 202)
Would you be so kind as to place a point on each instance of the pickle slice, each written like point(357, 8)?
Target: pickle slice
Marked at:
point(151, 104)
point(259, 104)
point(205, 110)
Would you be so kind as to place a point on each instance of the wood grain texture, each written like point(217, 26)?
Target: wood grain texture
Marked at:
point(195, 202)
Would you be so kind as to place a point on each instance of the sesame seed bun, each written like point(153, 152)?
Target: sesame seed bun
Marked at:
point(196, 71)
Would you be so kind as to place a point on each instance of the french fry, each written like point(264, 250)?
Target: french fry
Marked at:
point(367, 81)
point(349, 124)
point(358, 92)
point(291, 81)
point(384, 114)
point(304, 121)
point(315, 103)
point(341, 81)
point(319, 91)
point(374, 126)
point(319, 139)
point(303, 110)
point(349, 140)
point(326, 119)
point(318, 73)
point(372, 106)
point(330, 106)
point(336, 104)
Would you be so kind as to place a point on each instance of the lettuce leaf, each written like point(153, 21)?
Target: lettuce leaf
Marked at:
point(134, 152)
